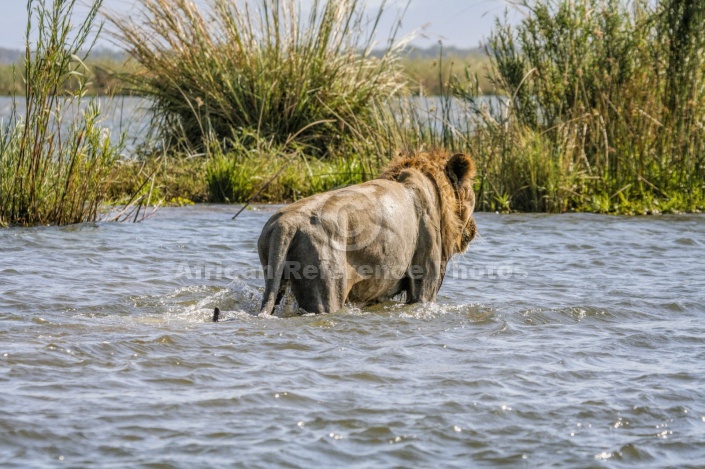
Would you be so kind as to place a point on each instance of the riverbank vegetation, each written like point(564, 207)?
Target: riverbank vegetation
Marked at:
point(420, 69)
point(428, 71)
point(602, 108)
point(595, 106)
point(604, 112)
point(102, 76)
point(54, 160)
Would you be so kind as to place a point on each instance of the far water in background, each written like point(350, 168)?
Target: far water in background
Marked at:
point(132, 115)
point(120, 114)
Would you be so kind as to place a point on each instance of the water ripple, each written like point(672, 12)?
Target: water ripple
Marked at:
point(573, 341)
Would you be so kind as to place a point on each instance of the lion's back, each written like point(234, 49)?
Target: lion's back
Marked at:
point(379, 215)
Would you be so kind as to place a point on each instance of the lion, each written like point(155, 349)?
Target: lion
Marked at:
point(373, 241)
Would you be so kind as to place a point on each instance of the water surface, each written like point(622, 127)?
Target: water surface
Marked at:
point(126, 115)
point(573, 340)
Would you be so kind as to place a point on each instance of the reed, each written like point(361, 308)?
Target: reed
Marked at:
point(54, 160)
point(603, 109)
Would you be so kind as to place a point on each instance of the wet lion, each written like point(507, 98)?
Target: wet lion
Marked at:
point(370, 242)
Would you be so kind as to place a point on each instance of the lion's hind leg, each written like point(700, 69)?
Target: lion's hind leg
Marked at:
point(273, 250)
point(319, 296)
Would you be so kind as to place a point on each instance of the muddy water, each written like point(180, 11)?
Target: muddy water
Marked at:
point(574, 340)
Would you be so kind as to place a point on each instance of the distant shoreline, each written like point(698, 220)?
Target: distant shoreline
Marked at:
point(420, 68)
point(9, 56)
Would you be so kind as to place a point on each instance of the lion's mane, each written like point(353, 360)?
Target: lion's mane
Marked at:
point(432, 164)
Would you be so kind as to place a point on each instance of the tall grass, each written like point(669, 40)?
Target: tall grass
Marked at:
point(262, 71)
point(604, 108)
point(54, 160)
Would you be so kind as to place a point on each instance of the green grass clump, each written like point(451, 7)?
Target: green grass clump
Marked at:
point(268, 72)
point(55, 160)
point(228, 176)
point(271, 175)
point(178, 180)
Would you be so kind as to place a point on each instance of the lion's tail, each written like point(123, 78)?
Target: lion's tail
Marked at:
point(273, 256)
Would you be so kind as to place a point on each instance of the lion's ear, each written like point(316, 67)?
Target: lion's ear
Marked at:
point(460, 169)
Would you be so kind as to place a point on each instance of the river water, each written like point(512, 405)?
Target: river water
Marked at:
point(131, 116)
point(572, 340)
point(122, 115)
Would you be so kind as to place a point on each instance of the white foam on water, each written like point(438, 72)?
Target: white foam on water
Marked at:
point(424, 311)
point(238, 300)
point(196, 303)
point(431, 310)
